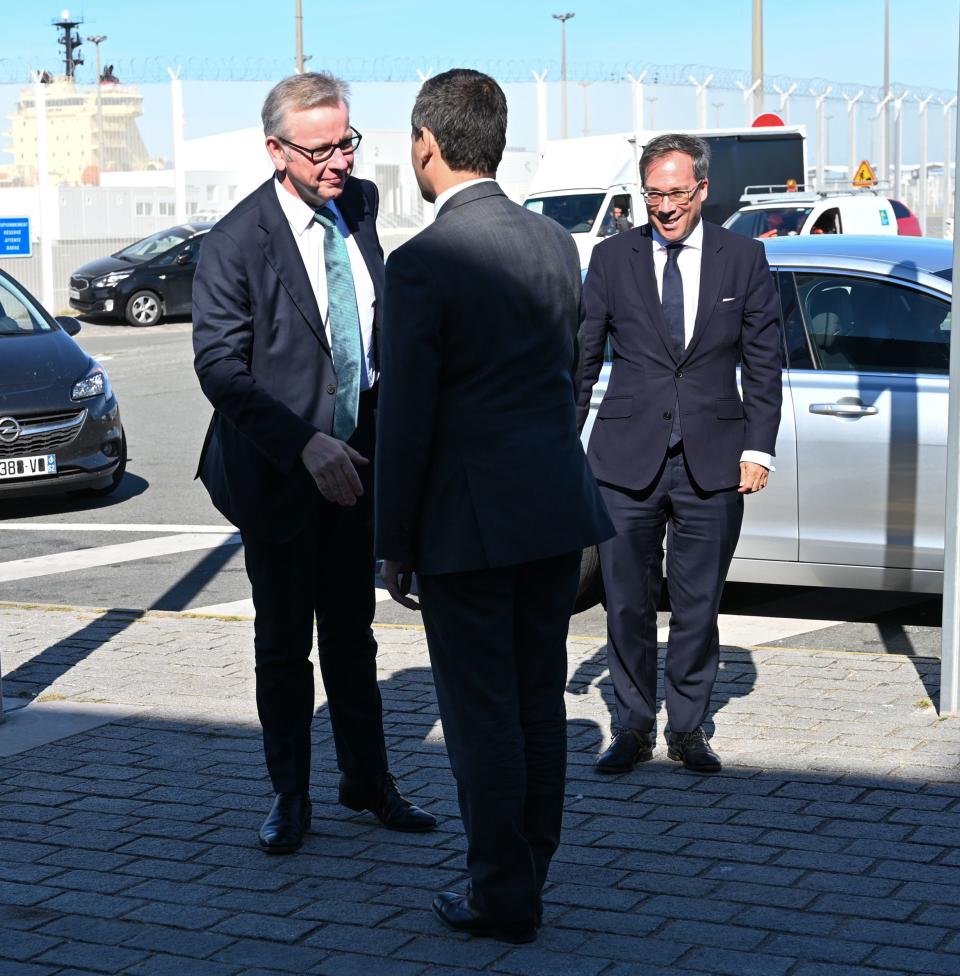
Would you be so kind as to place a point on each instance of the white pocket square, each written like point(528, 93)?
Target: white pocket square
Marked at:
point(733, 299)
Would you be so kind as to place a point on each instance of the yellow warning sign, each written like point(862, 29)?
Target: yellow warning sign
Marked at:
point(864, 175)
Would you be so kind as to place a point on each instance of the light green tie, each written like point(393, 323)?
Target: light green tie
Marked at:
point(344, 326)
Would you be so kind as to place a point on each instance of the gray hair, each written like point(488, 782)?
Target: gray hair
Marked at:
point(671, 142)
point(312, 89)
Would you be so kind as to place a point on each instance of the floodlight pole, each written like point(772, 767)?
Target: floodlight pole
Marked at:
point(898, 145)
point(563, 18)
point(950, 632)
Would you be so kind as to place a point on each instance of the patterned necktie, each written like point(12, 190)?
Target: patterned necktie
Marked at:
point(345, 340)
point(672, 301)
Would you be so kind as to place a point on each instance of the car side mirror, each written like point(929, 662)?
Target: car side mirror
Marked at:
point(183, 258)
point(69, 324)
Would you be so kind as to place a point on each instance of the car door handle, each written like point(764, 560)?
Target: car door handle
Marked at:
point(845, 408)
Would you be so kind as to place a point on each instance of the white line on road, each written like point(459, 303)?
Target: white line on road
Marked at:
point(125, 552)
point(112, 527)
point(244, 608)
point(737, 630)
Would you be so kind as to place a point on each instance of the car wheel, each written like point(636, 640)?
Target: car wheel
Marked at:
point(590, 592)
point(143, 308)
point(117, 475)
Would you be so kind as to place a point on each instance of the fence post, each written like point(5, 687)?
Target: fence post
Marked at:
point(179, 172)
point(45, 212)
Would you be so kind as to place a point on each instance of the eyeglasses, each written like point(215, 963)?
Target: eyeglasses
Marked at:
point(321, 154)
point(679, 197)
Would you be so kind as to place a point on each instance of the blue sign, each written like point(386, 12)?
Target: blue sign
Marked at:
point(884, 218)
point(14, 237)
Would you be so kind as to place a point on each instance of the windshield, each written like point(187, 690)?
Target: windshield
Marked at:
point(575, 212)
point(154, 244)
point(773, 222)
point(19, 314)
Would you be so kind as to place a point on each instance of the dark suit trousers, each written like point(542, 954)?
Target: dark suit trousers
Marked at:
point(497, 641)
point(704, 529)
point(324, 574)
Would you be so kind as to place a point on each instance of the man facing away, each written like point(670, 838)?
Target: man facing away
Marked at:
point(286, 305)
point(674, 443)
point(482, 488)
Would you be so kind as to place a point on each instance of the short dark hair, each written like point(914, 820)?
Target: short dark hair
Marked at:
point(671, 142)
point(466, 111)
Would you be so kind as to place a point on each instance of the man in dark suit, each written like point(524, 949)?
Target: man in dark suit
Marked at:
point(482, 488)
point(286, 306)
point(682, 302)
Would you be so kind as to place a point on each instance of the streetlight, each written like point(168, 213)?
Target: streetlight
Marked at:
point(563, 18)
point(98, 39)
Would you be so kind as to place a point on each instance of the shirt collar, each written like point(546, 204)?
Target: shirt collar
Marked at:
point(694, 239)
point(300, 214)
point(453, 190)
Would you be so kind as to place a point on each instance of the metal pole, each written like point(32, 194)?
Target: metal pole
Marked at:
point(852, 132)
point(701, 100)
point(650, 102)
point(950, 634)
point(749, 97)
point(563, 18)
point(821, 102)
point(757, 57)
point(898, 146)
point(179, 175)
point(922, 174)
point(97, 40)
point(541, 81)
point(586, 106)
point(785, 100)
point(298, 16)
point(45, 212)
point(717, 106)
point(636, 91)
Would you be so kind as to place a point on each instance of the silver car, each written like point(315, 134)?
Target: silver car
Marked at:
point(857, 499)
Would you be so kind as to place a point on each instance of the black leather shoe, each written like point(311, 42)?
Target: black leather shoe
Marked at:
point(289, 819)
point(628, 748)
point(387, 804)
point(693, 750)
point(457, 913)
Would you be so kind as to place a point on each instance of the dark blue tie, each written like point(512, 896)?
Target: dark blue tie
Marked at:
point(672, 301)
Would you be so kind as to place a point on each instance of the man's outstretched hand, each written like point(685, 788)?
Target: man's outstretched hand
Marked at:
point(333, 466)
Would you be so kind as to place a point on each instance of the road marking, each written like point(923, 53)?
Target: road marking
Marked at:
point(112, 527)
point(125, 552)
point(244, 608)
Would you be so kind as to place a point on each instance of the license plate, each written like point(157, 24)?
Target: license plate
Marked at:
point(28, 467)
point(74, 293)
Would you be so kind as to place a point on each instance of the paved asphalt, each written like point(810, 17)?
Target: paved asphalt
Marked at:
point(165, 417)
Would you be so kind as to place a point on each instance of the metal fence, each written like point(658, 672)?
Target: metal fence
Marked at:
point(96, 167)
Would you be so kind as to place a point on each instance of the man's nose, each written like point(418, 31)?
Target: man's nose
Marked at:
point(667, 205)
point(338, 160)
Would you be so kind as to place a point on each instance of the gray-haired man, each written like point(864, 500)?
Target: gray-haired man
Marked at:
point(285, 311)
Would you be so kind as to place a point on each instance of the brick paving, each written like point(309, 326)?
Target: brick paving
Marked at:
point(829, 845)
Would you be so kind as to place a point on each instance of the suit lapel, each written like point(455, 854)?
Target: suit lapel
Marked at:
point(359, 221)
point(282, 254)
point(647, 283)
point(712, 263)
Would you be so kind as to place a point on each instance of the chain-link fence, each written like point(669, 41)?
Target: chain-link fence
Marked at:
point(96, 167)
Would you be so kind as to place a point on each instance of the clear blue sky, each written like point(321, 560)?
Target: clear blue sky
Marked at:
point(836, 39)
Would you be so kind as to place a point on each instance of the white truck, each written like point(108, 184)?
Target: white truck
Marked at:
point(580, 181)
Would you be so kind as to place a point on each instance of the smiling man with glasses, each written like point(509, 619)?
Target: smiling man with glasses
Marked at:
point(674, 442)
point(287, 300)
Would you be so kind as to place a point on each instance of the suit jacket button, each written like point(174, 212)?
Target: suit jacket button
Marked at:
point(679, 373)
point(331, 389)
point(667, 415)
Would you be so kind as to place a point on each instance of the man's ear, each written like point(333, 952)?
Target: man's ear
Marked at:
point(426, 147)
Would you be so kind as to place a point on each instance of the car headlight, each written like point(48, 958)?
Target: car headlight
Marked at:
point(109, 280)
point(95, 383)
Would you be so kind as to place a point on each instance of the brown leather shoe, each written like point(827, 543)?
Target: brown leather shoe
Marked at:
point(693, 750)
point(628, 748)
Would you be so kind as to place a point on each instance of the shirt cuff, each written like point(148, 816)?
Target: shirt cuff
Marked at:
point(758, 457)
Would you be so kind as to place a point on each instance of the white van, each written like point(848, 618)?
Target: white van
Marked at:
point(774, 213)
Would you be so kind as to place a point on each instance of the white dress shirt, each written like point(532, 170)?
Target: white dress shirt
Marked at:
point(688, 262)
point(450, 191)
point(308, 234)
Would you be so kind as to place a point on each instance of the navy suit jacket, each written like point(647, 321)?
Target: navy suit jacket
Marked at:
point(263, 360)
point(738, 316)
point(479, 465)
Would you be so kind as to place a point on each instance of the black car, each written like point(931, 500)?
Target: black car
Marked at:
point(60, 424)
point(145, 281)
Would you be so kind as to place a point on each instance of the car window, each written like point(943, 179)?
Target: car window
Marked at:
point(575, 212)
point(866, 325)
point(19, 315)
point(190, 248)
point(770, 222)
point(154, 245)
